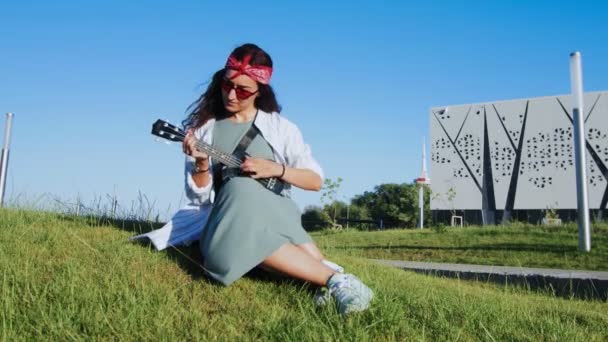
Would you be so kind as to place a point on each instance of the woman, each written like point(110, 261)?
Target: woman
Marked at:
point(250, 225)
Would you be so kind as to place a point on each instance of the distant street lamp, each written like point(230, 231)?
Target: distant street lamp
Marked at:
point(421, 182)
point(347, 210)
point(347, 214)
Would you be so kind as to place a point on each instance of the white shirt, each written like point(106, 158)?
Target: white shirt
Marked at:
point(282, 135)
point(187, 224)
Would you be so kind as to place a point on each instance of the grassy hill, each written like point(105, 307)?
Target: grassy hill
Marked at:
point(66, 278)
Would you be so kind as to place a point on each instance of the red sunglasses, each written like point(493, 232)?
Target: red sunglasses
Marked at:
point(241, 93)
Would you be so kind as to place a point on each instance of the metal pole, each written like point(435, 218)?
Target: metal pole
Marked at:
point(78, 205)
point(347, 214)
point(421, 205)
point(4, 157)
point(576, 79)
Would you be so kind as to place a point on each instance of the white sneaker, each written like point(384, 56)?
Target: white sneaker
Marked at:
point(322, 296)
point(350, 293)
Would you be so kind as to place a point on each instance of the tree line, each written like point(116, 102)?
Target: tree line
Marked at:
point(386, 206)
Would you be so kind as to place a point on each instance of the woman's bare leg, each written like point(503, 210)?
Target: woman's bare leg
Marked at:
point(293, 261)
point(312, 250)
point(350, 293)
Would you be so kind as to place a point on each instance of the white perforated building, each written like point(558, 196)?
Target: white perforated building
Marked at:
point(511, 158)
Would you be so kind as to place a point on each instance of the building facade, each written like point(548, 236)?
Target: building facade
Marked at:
point(513, 159)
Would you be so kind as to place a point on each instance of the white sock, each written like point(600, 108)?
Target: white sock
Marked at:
point(333, 266)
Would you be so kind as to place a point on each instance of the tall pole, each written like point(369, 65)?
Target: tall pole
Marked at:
point(4, 157)
point(421, 205)
point(421, 182)
point(347, 214)
point(576, 79)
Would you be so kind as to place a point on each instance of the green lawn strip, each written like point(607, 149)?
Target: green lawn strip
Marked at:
point(525, 246)
point(63, 279)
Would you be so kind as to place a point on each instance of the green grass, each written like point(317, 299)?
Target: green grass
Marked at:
point(69, 279)
point(519, 245)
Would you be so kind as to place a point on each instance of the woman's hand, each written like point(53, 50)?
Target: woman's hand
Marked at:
point(261, 168)
point(189, 147)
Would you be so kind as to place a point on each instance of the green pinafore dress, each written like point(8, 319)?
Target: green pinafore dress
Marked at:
point(248, 222)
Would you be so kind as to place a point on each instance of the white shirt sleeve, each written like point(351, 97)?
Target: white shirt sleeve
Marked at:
point(198, 195)
point(297, 153)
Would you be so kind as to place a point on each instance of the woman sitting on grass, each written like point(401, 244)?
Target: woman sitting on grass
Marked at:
point(248, 224)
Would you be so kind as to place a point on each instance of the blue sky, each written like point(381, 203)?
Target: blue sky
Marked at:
point(87, 79)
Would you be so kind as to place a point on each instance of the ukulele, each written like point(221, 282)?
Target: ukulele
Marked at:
point(171, 132)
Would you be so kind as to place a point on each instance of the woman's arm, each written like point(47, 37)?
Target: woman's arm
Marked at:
point(263, 168)
point(303, 178)
point(197, 171)
point(198, 189)
point(300, 168)
point(201, 172)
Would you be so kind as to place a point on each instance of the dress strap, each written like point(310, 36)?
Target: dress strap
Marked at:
point(223, 173)
point(246, 140)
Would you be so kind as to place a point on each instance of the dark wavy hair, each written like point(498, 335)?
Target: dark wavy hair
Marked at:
point(210, 104)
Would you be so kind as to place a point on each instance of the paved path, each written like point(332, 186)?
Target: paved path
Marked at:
point(585, 284)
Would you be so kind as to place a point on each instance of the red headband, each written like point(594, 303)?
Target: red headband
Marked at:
point(259, 73)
